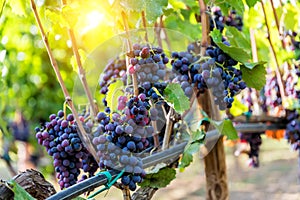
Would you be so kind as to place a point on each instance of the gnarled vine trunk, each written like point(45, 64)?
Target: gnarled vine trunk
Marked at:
point(32, 181)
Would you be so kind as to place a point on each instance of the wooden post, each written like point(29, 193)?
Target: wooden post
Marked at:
point(214, 161)
point(215, 165)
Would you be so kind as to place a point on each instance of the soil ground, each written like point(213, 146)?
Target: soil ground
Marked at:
point(275, 179)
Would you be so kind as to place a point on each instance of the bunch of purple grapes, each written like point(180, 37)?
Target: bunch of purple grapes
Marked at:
point(220, 75)
point(292, 132)
point(219, 20)
point(62, 142)
point(149, 64)
point(122, 137)
point(185, 65)
point(254, 140)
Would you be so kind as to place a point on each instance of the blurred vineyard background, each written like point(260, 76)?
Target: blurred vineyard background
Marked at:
point(28, 84)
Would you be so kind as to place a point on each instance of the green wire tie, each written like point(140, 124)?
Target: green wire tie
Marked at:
point(109, 183)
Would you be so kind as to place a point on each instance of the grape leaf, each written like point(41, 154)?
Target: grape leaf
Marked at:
point(237, 38)
point(239, 54)
point(238, 5)
point(187, 157)
point(152, 8)
point(216, 35)
point(160, 179)
point(238, 108)
point(197, 138)
point(255, 77)
point(225, 127)
point(114, 91)
point(175, 97)
point(19, 192)
point(251, 3)
point(253, 65)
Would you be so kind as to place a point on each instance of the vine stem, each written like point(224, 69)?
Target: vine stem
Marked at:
point(145, 26)
point(278, 75)
point(278, 24)
point(162, 27)
point(54, 65)
point(81, 71)
point(130, 49)
point(205, 31)
point(279, 29)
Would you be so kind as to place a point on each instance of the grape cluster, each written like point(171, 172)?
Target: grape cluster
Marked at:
point(148, 89)
point(220, 75)
point(149, 64)
point(185, 65)
point(217, 19)
point(254, 140)
point(292, 132)
point(121, 137)
point(62, 142)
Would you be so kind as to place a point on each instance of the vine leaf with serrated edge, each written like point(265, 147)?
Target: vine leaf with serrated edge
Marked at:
point(160, 179)
point(196, 139)
point(175, 97)
point(253, 73)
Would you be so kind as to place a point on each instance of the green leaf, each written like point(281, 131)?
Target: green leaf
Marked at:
point(18, 7)
point(239, 54)
point(196, 139)
point(226, 127)
point(253, 65)
point(255, 77)
point(175, 97)
point(216, 35)
point(238, 108)
point(187, 157)
point(152, 8)
point(198, 136)
point(160, 179)
point(114, 91)
point(225, 6)
point(238, 5)
point(20, 193)
point(251, 3)
point(237, 38)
